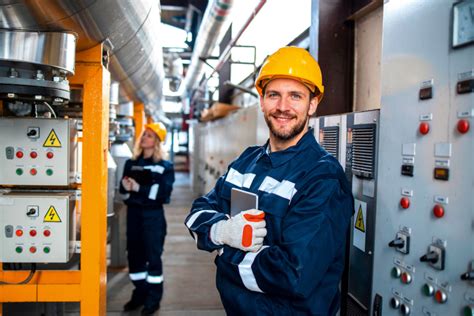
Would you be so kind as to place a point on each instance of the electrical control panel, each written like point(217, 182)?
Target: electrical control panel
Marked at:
point(424, 237)
point(39, 152)
point(361, 155)
point(37, 227)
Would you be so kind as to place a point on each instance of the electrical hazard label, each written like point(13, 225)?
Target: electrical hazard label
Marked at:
point(359, 227)
point(52, 140)
point(52, 216)
point(359, 224)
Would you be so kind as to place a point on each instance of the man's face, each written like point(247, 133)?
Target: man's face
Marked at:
point(286, 106)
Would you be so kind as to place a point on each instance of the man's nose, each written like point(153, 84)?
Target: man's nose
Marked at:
point(284, 104)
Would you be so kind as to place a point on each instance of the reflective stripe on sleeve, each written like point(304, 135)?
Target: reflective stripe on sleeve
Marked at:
point(137, 276)
point(152, 279)
point(246, 273)
point(238, 179)
point(153, 191)
point(193, 217)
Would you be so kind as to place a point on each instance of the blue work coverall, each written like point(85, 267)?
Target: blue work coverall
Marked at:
point(146, 226)
point(308, 205)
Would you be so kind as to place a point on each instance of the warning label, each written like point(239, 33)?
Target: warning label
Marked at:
point(52, 140)
point(359, 224)
point(52, 216)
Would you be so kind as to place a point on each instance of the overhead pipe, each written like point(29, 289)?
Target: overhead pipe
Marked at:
point(226, 53)
point(129, 27)
point(211, 28)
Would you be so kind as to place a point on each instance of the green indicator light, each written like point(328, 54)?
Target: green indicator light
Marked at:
point(46, 249)
point(469, 311)
point(19, 171)
point(49, 172)
point(395, 272)
point(19, 249)
point(427, 290)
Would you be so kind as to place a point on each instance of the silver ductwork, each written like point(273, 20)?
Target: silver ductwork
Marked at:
point(129, 27)
point(212, 26)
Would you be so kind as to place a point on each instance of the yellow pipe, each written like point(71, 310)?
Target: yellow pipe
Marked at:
point(95, 79)
point(139, 118)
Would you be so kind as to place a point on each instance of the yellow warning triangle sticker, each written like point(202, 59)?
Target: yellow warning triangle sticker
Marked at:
point(51, 216)
point(360, 220)
point(52, 140)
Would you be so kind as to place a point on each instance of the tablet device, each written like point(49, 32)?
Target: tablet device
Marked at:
point(241, 200)
point(141, 175)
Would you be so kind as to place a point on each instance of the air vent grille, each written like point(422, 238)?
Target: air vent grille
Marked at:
point(330, 141)
point(363, 151)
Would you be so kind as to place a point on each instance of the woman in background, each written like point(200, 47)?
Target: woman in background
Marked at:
point(148, 179)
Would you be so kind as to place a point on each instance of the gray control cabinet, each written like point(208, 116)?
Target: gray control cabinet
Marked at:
point(37, 227)
point(39, 152)
point(424, 245)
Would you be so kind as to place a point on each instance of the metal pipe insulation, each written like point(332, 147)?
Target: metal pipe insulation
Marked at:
point(209, 32)
point(130, 27)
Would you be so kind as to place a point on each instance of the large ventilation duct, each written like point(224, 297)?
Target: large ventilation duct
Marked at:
point(129, 27)
point(210, 31)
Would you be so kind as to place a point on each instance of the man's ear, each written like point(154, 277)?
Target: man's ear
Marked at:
point(261, 104)
point(313, 105)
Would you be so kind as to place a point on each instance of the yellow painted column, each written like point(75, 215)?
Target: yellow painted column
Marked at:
point(95, 80)
point(139, 118)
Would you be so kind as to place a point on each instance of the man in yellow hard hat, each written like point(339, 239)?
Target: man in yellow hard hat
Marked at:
point(287, 257)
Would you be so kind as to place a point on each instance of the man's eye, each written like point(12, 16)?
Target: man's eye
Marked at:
point(271, 95)
point(296, 97)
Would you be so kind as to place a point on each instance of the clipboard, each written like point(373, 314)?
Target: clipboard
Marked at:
point(141, 175)
point(241, 200)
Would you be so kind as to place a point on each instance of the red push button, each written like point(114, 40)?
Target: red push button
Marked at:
point(405, 202)
point(33, 171)
point(19, 232)
point(463, 126)
point(33, 154)
point(47, 233)
point(49, 155)
point(424, 128)
point(438, 211)
point(406, 278)
point(33, 233)
point(441, 297)
point(19, 154)
point(32, 249)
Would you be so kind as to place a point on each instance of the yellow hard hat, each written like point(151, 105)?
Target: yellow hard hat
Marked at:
point(159, 129)
point(294, 63)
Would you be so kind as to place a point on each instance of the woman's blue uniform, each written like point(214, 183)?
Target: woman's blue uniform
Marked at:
point(146, 226)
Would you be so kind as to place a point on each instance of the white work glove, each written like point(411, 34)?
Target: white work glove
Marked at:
point(130, 184)
point(244, 231)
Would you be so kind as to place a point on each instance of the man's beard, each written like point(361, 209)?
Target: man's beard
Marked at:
point(288, 135)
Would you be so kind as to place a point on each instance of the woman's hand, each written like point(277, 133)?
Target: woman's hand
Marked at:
point(130, 184)
point(134, 186)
